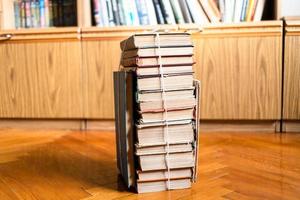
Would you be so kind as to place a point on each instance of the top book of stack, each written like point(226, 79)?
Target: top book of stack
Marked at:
point(165, 111)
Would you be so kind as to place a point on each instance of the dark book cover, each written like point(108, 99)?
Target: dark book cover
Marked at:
point(116, 14)
point(158, 12)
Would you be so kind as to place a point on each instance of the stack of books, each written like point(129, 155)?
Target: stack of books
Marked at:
point(156, 109)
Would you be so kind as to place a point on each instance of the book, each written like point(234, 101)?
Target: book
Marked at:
point(17, 12)
point(151, 12)
point(238, 10)
point(185, 11)
point(167, 11)
point(42, 14)
point(163, 174)
point(163, 149)
point(197, 13)
point(28, 14)
point(121, 12)
point(116, 14)
point(142, 12)
point(152, 62)
point(155, 52)
point(211, 10)
point(181, 132)
point(177, 11)
point(144, 187)
point(158, 11)
point(259, 10)
point(96, 13)
point(124, 98)
point(150, 41)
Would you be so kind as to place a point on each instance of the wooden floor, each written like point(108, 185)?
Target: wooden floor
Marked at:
point(82, 165)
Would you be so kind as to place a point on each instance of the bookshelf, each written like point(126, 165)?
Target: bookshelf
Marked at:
point(86, 13)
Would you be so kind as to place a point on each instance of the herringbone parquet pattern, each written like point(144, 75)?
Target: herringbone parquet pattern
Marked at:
point(81, 165)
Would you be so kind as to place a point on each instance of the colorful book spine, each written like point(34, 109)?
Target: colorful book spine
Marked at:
point(121, 12)
point(17, 11)
point(167, 11)
point(104, 13)
point(23, 14)
point(28, 14)
point(142, 12)
point(151, 12)
point(34, 19)
point(60, 13)
point(47, 17)
point(115, 12)
point(50, 13)
point(54, 12)
point(177, 11)
point(158, 12)
point(42, 13)
point(244, 10)
point(96, 13)
point(110, 13)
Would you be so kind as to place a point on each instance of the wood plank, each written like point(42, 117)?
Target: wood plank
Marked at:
point(291, 100)
point(39, 164)
point(241, 76)
point(42, 124)
point(41, 80)
point(99, 101)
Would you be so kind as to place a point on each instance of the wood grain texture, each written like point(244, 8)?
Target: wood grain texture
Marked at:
point(241, 76)
point(41, 80)
point(291, 100)
point(41, 164)
point(100, 58)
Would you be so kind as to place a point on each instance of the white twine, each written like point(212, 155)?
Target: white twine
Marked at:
point(162, 84)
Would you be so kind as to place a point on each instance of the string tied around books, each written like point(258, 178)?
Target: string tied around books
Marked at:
point(165, 110)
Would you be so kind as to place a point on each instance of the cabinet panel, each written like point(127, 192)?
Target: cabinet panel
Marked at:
point(40, 79)
point(101, 58)
point(291, 100)
point(240, 73)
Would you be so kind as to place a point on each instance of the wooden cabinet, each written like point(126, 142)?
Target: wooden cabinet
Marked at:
point(291, 91)
point(240, 69)
point(67, 72)
point(40, 74)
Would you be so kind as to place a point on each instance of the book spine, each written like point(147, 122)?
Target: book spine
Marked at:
point(177, 11)
point(104, 14)
point(151, 12)
point(222, 9)
point(244, 9)
point(60, 15)
point(142, 12)
point(51, 22)
point(115, 12)
point(17, 14)
point(197, 13)
point(254, 9)
point(54, 10)
point(37, 13)
point(121, 12)
point(259, 10)
point(28, 14)
point(110, 13)
point(33, 14)
point(158, 11)
point(185, 11)
point(23, 14)
point(167, 11)
point(47, 17)
point(249, 10)
point(42, 13)
point(96, 13)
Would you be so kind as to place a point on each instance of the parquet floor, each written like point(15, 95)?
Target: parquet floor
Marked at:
point(82, 165)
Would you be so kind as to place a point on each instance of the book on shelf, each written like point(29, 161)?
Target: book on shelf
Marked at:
point(157, 112)
point(44, 13)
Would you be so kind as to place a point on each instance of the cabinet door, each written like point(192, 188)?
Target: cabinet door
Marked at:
point(240, 71)
point(291, 98)
point(40, 78)
point(100, 58)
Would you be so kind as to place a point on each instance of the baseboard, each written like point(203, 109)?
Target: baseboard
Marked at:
point(267, 126)
point(291, 126)
point(108, 125)
point(49, 124)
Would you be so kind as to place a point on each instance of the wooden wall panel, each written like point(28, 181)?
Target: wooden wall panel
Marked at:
point(100, 58)
point(40, 80)
point(240, 74)
point(291, 101)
